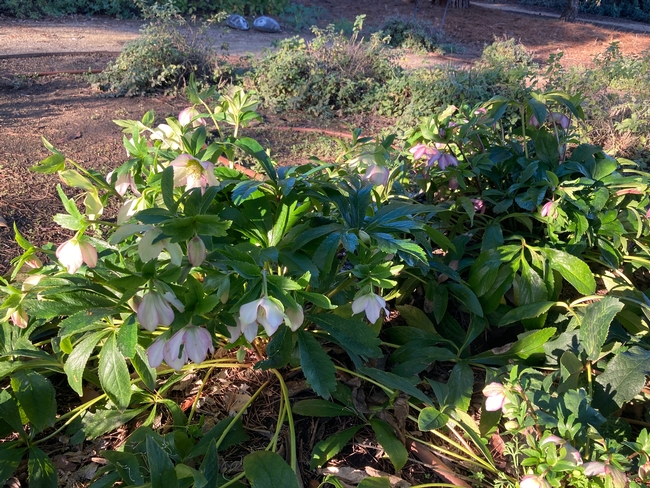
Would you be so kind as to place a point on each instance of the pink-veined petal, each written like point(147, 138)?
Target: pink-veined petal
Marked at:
point(69, 253)
point(173, 300)
point(197, 343)
point(196, 251)
point(147, 250)
point(174, 353)
point(249, 331)
point(89, 254)
point(155, 352)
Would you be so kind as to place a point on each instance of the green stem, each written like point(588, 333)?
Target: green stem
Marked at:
point(451, 454)
point(523, 130)
point(72, 414)
point(241, 412)
point(590, 379)
point(292, 428)
point(198, 394)
point(234, 480)
point(340, 287)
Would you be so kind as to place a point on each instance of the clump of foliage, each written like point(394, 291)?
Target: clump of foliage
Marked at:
point(504, 69)
point(243, 7)
point(161, 59)
point(415, 34)
point(483, 219)
point(630, 9)
point(35, 9)
point(300, 16)
point(329, 73)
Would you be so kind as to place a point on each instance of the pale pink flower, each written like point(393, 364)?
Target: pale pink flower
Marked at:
point(495, 397)
point(549, 210)
point(249, 330)
point(533, 481)
point(294, 317)
point(480, 111)
point(560, 119)
point(596, 468)
point(73, 253)
point(572, 454)
point(266, 311)
point(422, 150)
point(20, 318)
point(155, 309)
point(188, 115)
point(628, 191)
point(190, 343)
point(370, 303)
point(148, 249)
point(33, 262)
point(479, 205)
point(196, 251)
point(533, 121)
point(192, 173)
point(376, 174)
point(446, 159)
point(123, 183)
point(647, 213)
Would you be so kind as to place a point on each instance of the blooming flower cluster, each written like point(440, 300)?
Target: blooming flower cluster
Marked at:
point(432, 155)
point(155, 309)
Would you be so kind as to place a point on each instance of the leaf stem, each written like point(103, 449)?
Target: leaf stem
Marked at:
point(292, 428)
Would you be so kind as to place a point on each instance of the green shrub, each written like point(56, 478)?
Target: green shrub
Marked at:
point(35, 9)
point(416, 34)
point(330, 73)
point(162, 59)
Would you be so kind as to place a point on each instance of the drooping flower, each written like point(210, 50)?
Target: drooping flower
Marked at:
point(266, 311)
point(572, 454)
point(495, 397)
point(560, 119)
point(196, 251)
point(190, 343)
point(155, 309)
point(446, 160)
point(453, 183)
point(188, 115)
point(249, 330)
point(370, 303)
point(170, 139)
point(294, 317)
point(533, 122)
point(479, 205)
point(422, 150)
point(549, 210)
point(19, 317)
point(376, 174)
point(73, 253)
point(192, 173)
point(533, 481)
point(148, 249)
point(129, 208)
point(123, 183)
point(596, 468)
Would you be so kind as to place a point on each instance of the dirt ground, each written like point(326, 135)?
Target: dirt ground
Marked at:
point(78, 120)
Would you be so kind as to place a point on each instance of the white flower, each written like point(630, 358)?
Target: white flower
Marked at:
point(376, 174)
point(129, 209)
point(191, 342)
point(196, 251)
point(20, 318)
point(294, 317)
point(249, 330)
point(148, 249)
point(123, 183)
point(533, 481)
point(266, 311)
point(595, 468)
point(73, 253)
point(170, 139)
point(495, 397)
point(155, 309)
point(188, 115)
point(372, 304)
point(192, 173)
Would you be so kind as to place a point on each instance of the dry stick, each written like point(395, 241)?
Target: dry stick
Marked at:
point(426, 456)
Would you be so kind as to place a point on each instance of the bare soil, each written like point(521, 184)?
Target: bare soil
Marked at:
point(78, 120)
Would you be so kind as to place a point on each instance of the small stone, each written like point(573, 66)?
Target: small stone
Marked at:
point(236, 21)
point(266, 24)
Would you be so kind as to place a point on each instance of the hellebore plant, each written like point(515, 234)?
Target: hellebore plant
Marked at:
point(372, 304)
point(75, 252)
point(192, 173)
point(155, 309)
point(189, 343)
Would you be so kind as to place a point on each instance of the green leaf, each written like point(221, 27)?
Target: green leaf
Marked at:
point(625, 374)
point(51, 164)
point(529, 344)
point(161, 467)
point(127, 338)
point(141, 364)
point(317, 299)
point(41, 470)
point(415, 317)
point(252, 147)
point(466, 297)
point(431, 418)
point(167, 187)
point(317, 366)
point(390, 443)
point(268, 470)
point(76, 362)
point(10, 414)
point(278, 350)
point(572, 269)
point(114, 374)
point(595, 325)
point(351, 333)
point(461, 383)
point(36, 397)
point(69, 205)
point(210, 465)
point(393, 381)
point(236, 435)
point(374, 482)
point(526, 312)
point(94, 424)
point(10, 456)
point(126, 464)
point(321, 408)
point(330, 447)
point(72, 178)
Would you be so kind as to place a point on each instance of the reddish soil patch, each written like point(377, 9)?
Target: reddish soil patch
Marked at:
point(78, 120)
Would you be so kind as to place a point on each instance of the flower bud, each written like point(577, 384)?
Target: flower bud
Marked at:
point(363, 235)
point(196, 251)
point(19, 318)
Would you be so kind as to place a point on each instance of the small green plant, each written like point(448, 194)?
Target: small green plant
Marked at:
point(302, 17)
point(328, 74)
point(417, 35)
point(161, 59)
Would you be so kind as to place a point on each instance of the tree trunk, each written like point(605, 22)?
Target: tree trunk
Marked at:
point(570, 14)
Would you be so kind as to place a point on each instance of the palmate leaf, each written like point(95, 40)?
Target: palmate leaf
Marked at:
point(10, 457)
point(321, 408)
point(353, 334)
point(161, 467)
point(41, 470)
